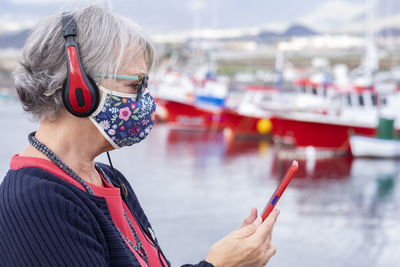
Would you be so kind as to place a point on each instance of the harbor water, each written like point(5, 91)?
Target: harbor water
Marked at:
point(196, 187)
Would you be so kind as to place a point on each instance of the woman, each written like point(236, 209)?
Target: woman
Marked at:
point(83, 74)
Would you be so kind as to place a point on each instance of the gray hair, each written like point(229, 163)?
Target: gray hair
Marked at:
point(107, 42)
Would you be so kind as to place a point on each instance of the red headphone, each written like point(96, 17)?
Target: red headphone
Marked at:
point(80, 93)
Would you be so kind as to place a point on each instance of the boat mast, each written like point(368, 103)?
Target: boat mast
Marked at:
point(279, 64)
point(371, 61)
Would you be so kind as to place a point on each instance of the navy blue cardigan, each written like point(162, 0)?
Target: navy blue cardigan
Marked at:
point(46, 221)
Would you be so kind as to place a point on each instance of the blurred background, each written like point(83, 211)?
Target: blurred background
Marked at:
point(244, 88)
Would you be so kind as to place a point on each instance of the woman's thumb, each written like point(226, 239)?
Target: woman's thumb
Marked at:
point(249, 219)
point(249, 229)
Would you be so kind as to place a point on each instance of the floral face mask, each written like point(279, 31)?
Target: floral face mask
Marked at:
point(123, 119)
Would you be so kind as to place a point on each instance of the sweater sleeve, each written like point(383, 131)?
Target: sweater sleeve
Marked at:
point(41, 226)
point(200, 264)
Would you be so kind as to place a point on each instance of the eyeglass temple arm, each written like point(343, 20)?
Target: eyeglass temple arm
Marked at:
point(126, 77)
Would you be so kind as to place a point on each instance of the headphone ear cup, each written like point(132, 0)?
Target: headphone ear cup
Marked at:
point(95, 99)
point(80, 93)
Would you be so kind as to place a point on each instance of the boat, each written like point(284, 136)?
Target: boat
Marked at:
point(250, 117)
point(190, 101)
point(194, 116)
point(188, 115)
point(321, 115)
point(365, 146)
point(384, 145)
point(354, 111)
point(204, 104)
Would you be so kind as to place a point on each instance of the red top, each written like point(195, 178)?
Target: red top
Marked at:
point(113, 199)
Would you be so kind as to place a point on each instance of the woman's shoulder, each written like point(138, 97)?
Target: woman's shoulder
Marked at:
point(32, 193)
point(27, 178)
point(34, 186)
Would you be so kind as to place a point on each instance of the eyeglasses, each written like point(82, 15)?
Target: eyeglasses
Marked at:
point(142, 79)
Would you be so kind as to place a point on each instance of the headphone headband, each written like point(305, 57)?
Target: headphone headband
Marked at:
point(68, 25)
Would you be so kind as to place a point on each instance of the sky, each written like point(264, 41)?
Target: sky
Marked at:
point(172, 16)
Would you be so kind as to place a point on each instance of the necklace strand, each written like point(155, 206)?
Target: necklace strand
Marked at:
point(139, 248)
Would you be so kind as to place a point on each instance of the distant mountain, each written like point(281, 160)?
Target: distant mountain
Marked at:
point(13, 39)
point(297, 30)
point(271, 37)
point(268, 36)
point(394, 32)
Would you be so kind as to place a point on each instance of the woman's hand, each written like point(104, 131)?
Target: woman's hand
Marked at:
point(249, 245)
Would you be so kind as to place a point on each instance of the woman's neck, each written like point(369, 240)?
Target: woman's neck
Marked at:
point(75, 141)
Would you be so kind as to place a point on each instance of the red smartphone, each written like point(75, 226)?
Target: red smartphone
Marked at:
point(279, 190)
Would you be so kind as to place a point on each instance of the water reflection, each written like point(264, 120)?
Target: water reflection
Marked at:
point(336, 212)
point(204, 143)
point(325, 168)
point(374, 186)
point(364, 184)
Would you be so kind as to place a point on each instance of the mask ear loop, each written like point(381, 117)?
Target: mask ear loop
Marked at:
point(112, 79)
point(51, 92)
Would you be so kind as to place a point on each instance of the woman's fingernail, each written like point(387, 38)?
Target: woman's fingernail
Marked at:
point(277, 212)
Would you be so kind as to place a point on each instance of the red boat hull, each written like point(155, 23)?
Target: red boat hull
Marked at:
point(246, 126)
point(185, 115)
point(321, 135)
